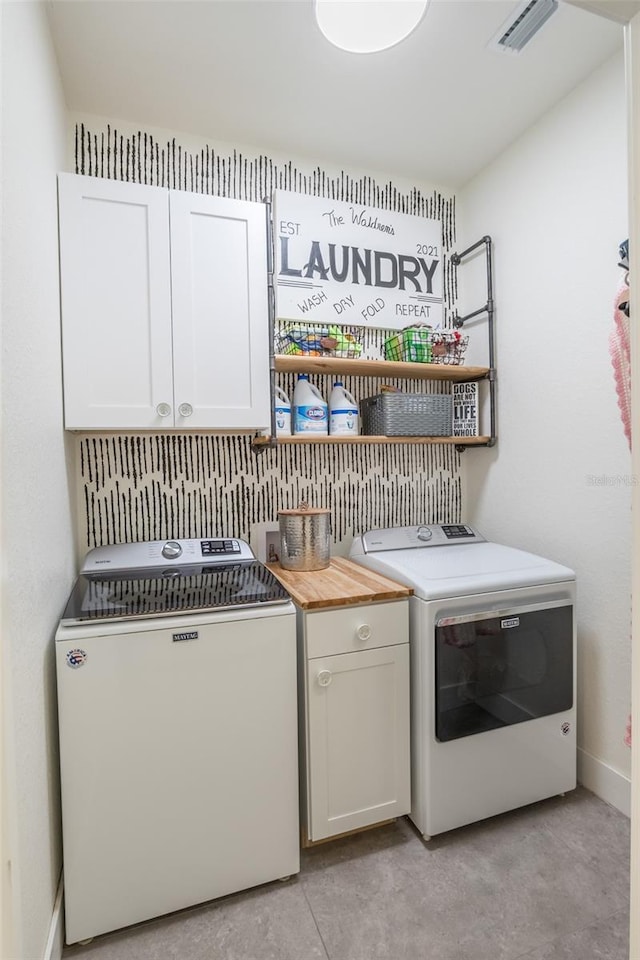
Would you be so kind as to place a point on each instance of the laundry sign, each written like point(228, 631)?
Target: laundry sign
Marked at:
point(338, 262)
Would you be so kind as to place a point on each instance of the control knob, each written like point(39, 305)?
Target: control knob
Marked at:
point(171, 550)
point(424, 533)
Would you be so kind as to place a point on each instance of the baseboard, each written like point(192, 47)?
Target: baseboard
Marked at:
point(55, 940)
point(608, 784)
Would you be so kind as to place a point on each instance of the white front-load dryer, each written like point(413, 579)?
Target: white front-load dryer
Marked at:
point(493, 671)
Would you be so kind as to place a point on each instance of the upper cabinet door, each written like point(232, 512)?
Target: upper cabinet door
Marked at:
point(220, 313)
point(116, 304)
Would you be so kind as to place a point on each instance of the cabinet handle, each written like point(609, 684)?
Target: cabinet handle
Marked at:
point(363, 632)
point(324, 678)
point(163, 410)
point(185, 409)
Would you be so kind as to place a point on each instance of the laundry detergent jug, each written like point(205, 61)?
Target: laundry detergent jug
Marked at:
point(283, 413)
point(343, 413)
point(310, 411)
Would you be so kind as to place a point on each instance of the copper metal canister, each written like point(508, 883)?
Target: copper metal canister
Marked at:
point(305, 538)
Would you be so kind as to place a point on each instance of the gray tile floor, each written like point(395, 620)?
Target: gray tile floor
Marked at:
point(547, 882)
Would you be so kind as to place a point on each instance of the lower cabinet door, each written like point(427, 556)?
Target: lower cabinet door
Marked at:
point(357, 740)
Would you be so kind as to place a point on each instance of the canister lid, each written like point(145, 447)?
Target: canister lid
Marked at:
point(302, 511)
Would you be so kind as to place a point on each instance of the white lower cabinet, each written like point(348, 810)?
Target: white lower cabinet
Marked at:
point(354, 717)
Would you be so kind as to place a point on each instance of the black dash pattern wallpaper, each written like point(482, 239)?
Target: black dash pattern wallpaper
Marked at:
point(136, 487)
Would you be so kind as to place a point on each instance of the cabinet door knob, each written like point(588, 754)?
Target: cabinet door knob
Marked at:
point(185, 409)
point(163, 410)
point(363, 632)
point(325, 678)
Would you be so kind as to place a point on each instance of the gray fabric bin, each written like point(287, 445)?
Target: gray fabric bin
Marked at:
point(407, 415)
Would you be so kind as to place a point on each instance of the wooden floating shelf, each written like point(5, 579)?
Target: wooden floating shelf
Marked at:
point(319, 438)
point(385, 369)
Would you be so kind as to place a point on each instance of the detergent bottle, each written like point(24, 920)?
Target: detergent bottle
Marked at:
point(343, 412)
point(310, 411)
point(283, 413)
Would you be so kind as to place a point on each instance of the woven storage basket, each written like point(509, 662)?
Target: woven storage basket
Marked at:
point(407, 415)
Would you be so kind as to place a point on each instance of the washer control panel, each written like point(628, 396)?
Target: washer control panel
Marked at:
point(423, 535)
point(220, 548)
point(165, 553)
point(458, 531)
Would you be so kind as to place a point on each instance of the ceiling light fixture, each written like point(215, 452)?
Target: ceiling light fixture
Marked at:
point(366, 26)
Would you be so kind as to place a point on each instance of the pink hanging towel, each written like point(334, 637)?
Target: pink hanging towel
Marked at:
point(620, 351)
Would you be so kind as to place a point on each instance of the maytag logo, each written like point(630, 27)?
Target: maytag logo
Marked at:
point(510, 622)
point(189, 635)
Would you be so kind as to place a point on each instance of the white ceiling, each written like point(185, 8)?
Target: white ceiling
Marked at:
point(438, 107)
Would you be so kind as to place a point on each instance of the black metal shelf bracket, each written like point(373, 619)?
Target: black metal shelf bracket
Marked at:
point(489, 309)
point(271, 299)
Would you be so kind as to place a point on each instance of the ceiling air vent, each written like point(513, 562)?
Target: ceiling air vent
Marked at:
point(522, 25)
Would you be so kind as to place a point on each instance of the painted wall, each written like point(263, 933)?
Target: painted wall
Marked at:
point(37, 549)
point(559, 481)
point(153, 487)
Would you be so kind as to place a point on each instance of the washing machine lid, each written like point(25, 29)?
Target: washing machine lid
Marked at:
point(455, 569)
point(160, 578)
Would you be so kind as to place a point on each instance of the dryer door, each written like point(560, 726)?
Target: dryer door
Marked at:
point(498, 668)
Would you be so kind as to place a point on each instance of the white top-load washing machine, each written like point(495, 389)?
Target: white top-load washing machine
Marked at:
point(177, 701)
point(493, 671)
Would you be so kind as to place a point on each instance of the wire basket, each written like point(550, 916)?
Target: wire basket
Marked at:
point(407, 415)
point(448, 347)
point(312, 340)
point(412, 344)
point(421, 344)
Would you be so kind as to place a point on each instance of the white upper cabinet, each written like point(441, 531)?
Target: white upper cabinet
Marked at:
point(116, 303)
point(220, 320)
point(164, 308)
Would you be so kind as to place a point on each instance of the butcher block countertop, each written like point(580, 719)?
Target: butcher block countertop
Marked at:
point(341, 584)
